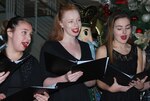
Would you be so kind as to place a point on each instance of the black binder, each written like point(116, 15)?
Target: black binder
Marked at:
point(122, 77)
point(93, 69)
point(27, 93)
point(57, 65)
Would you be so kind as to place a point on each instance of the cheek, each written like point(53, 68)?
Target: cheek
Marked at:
point(116, 34)
point(17, 39)
point(80, 25)
point(129, 32)
point(67, 27)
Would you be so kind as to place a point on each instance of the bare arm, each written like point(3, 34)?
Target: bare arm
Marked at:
point(90, 83)
point(68, 77)
point(140, 61)
point(140, 83)
point(101, 53)
point(146, 84)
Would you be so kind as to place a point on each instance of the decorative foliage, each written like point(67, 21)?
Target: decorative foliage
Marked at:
point(138, 10)
point(142, 40)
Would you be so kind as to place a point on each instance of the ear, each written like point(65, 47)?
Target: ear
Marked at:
point(60, 23)
point(9, 32)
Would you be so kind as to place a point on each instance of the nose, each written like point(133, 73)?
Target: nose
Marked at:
point(29, 37)
point(124, 31)
point(76, 23)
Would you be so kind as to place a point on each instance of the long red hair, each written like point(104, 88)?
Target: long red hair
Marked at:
point(57, 32)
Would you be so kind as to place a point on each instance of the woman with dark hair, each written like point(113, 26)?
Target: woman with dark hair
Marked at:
point(17, 36)
point(125, 57)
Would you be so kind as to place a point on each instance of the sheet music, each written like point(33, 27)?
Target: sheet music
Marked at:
point(80, 62)
point(106, 65)
point(48, 87)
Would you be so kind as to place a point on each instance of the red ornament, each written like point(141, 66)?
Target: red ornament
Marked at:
point(139, 30)
point(106, 10)
point(106, 7)
point(121, 2)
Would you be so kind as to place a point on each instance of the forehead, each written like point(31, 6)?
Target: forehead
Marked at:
point(24, 25)
point(122, 21)
point(71, 14)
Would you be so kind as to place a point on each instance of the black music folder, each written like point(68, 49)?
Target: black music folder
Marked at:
point(27, 93)
point(57, 65)
point(122, 77)
point(92, 69)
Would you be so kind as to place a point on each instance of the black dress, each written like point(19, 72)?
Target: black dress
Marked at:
point(77, 92)
point(128, 64)
point(29, 73)
point(146, 96)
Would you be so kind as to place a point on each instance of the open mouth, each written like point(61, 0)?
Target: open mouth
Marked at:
point(25, 44)
point(76, 30)
point(124, 37)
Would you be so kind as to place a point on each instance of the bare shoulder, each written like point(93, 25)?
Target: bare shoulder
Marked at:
point(139, 49)
point(101, 48)
point(101, 52)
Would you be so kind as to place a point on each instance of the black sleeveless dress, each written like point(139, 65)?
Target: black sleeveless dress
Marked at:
point(127, 64)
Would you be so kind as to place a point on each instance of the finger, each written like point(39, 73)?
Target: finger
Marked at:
point(2, 73)
point(145, 78)
point(138, 79)
point(115, 80)
point(76, 74)
point(69, 72)
point(46, 94)
point(5, 75)
point(2, 96)
point(133, 81)
point(131, 84)
point(75, 78)
point(40, 97)
point(79, 72)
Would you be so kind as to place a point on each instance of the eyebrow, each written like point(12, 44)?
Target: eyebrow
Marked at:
point(122, 26)
point(24, 29)
point(86, 29)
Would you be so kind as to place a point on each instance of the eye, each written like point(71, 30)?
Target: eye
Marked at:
point(86, 33)
point(70, 21)
point(128, 27)
point(119, 28)
point(24, 32)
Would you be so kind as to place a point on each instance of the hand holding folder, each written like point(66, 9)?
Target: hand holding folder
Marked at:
point(27, 93)
point(91, 70)
point(122, 77)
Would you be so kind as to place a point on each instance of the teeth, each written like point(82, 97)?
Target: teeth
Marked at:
point(25, 44)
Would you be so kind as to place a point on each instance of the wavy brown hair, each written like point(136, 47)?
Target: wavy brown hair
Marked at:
point(110, 28)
